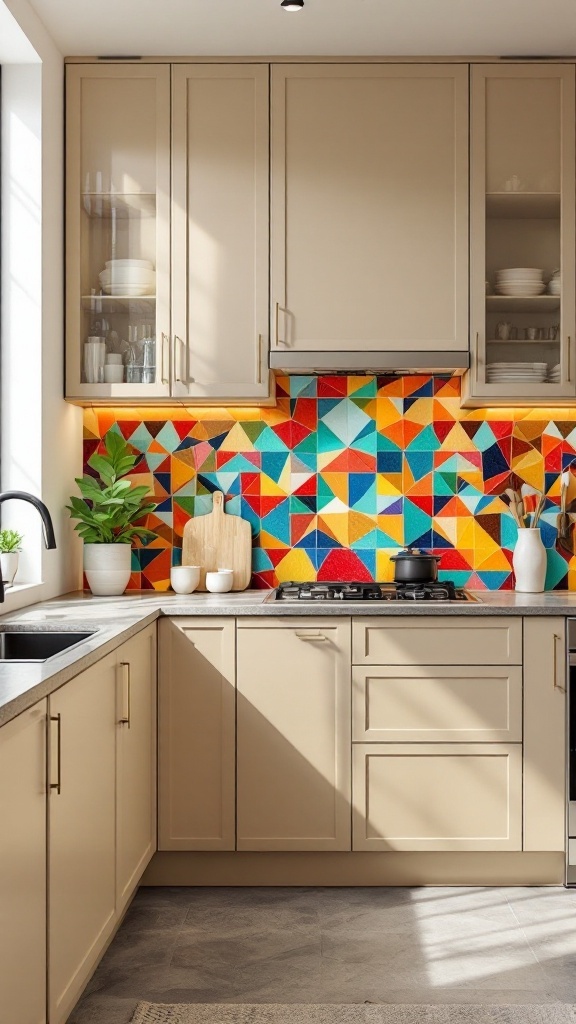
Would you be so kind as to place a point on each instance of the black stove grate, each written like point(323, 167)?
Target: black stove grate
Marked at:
point(443, 590)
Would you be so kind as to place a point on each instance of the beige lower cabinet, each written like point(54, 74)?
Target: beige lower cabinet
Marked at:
point(136, 761)
point(437, 640)
point(196, 738)
point(82, 827)
point(101, 815)
point(439, 704)
point(293, 734)
point(544, 733)
point(437, 796)
point(23, 868)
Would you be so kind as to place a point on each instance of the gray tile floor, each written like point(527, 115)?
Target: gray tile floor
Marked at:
point(443, 945)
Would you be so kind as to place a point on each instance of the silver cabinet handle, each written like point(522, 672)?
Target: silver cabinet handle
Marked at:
point(165, 378)
point(557, 685)
point(259, 360)
point(186, 379)
point(312, 638)
point(177, 360)
point(277, 339)
point(569, 343)
point(126, 693)
point(58, 784)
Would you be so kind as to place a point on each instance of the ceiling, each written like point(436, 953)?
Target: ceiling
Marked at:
point(323, 27)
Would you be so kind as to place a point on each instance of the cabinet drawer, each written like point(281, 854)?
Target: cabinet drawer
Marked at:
point(437, 797)
point(422, 703)
point(441, 640)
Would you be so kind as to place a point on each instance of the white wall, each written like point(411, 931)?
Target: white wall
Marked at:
point(41, 443)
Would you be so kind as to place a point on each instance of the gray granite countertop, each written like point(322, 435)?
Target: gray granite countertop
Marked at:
point(116, 619)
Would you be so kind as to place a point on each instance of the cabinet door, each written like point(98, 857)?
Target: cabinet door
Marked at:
point(293, 734)
point(438, 796)
point(82, 855)
point(544, 734)
point(220, 231)
point(118, 221)
point(136, 761)
point(369, 207)
point(196, 738)
point(23, 868)
point(522, 218)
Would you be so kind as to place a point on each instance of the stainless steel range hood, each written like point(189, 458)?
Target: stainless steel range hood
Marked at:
point(384, 363)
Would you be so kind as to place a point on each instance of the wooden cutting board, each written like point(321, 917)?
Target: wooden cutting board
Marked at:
point(217, 541)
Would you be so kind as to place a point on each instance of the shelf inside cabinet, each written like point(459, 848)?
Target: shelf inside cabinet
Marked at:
point(525, 205)
point(522, 341)
point(118, 303)
point(119, 204)
point(522, 303)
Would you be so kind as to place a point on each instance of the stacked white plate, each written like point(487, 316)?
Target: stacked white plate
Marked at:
point(128, 277)
point(516, 373)
point(554, 377)
point(520, 281)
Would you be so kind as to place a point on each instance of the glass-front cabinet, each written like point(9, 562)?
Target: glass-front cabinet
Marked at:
point(522, 230)
point(118, 232)
point(167, 233)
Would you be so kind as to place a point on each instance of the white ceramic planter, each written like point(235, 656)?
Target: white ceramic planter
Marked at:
point(107, 568)
point(9, 566)
point(529, 562)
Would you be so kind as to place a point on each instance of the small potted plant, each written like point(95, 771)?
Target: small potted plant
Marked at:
point(106, 514)
point(10, 548)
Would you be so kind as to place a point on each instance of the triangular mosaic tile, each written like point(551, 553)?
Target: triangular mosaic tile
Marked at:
point(345, 470)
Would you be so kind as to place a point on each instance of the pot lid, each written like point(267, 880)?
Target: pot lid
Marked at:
point(413, 553)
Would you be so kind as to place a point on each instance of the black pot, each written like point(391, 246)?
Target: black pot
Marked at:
point(414, 566)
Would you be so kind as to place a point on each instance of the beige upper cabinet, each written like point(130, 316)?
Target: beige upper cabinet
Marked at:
point(220, 231)
point(118, 231)
point(196, 738)
point(369, 207)
point(23, 868)
point(82, 825)
point(522, 218)
point(136, 761)
point(293, 734)
point(167, 232)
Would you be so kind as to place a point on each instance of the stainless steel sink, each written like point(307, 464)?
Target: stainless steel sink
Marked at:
point(38, 645)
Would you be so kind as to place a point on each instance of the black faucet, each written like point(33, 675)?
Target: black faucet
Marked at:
point(47, 527)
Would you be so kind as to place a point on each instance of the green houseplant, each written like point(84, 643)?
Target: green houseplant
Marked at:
point(10, 547)
point(108, 513)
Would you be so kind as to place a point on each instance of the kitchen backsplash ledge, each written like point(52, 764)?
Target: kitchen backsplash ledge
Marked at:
point(346, 470)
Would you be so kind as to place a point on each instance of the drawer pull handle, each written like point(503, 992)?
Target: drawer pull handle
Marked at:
point(126, 693)
point(56, 785)
point(557, 686)
point(312, 638)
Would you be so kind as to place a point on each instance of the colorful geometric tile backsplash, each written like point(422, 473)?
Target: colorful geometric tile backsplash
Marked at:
point(344, 471)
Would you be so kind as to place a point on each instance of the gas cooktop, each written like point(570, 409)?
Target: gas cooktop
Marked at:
point(432, 591)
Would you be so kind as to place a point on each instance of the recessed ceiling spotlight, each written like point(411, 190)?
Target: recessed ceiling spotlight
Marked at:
point(292, 5)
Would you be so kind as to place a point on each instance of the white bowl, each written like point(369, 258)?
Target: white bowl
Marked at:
point(219, 582)
point(555, 286)
point(126, 282)
point(184, 578)
point(142, 264)
point(127, 276)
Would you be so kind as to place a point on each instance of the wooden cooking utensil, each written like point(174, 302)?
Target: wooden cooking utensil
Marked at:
point(219, 541)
